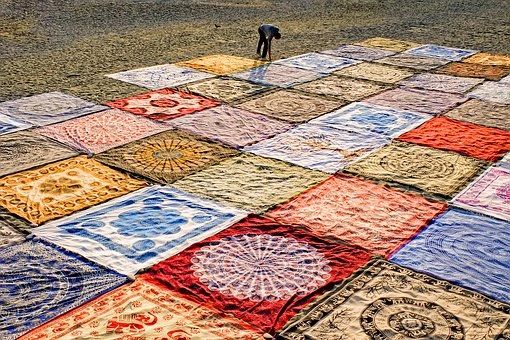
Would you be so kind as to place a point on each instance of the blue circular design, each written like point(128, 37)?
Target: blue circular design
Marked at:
point(143, 245)
point(149, 222)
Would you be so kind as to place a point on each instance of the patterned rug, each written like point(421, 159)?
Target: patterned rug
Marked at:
point(42, 281)
point(484, 58)
point(360, 212)
point(164, 104)
point(359, 52)
point(278, 75)
point(138, 230)
point(441, 82)
point(489, 194)
point(62, 188)
point(250, 182)
point(221, 64)
point(318, 147)
point(145, 311)
point(375, 72)
point(102, 131)
point(9, 125)
point(434, 171)
point(259, 271)
point(484, 113)
point(10, 229)
point(232, 126)
point(388, 44)
point(469, 139)
point(166, 157)
point(413, 61)
point(386, 301)
point(24, 150)
point(321, 63)
point(48, 108)
point(491, 91)
point(442, 52)
point(225, 89)
point(291, 106)
point(490, 72)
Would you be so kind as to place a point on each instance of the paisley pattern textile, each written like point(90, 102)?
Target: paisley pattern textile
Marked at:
point(359, 52)
point(435, 171)
point(102, 131)
point(360, 212)
point(250, 182)
point(140, 229)
point(388, 44)
point(484, 113)
point(40, 281)
point(164, 104)
point(225, 89)
point(443, 52)
point(221, 64)
point(375, 72)
point(278, 75)
point(165, 157)
point(456, 238)
point(321, 63)
point(490, 72)
point(385, 301)
point(441, 82)
point(62, 188)
point(413, 61)
point(491, 91)
point(143, 310)
point(24, 150)
point(9, 125)
point(258, 270)
point(469, 139)
point(489, 194)
point(48, 108)
point(484, 58)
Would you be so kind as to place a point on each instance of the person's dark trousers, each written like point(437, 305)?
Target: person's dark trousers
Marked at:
point(262, 40)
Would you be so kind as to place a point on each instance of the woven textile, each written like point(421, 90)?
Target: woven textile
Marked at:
point(491, 91)
point(142, 310)
point(318, 147)
point(489, 194)
point(413, 61)
point(417, 100)
point(359, 52)
point(484, 113)
point(102, 131)
point(10, 227)
point(232, 126)
point(48, 108)
point(342, 88)
point(491, 72)
point(456, 239)
point(505, 80)
point(386, 301)
point(489, 59)
point(359, 212)
point(443, 52)
point(435, 171)
point(24, 150)
point(165, 157)
point(375, 72)
point(9, 125)
point(160, 76)
point(225, 89)
point(62, 188)
point(164, 104)
point(441, 82)
point(317, 62)
point(140, 229)
point(258, 270)
point(368, 117)
point(221, 64)
point(41, 281)
point(250, 182)
point(278, 75)
point(469, 139)
point(388, 44)
point(291, 106)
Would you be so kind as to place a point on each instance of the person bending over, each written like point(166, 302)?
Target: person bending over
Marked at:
point(267, 33)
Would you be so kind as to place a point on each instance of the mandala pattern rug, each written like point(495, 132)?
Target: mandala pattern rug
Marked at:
point(138, 230)
point(232, 126)
point(160, 76)
point(259, 271)
point(41, 281)
point(321, 63)
point(473, 140)
point(375, 72)
point(359, 52)
point(492, 91)
point(484, 58)
point(443, 52)
point(10, 229)
point(372, 118)
point(166, 157)
point(62, 188)
point(278, 75)
point(457, 238)
point(483, 113)
point(9, 125)
point(413, 61)
point(221, 64)
point(417, 100)
point(291, 106)
point(359, 212)
point(342, 88)
point(388, 44)
point(225, 89)
point(48, 108)
point(144, 311)
point(318, 147)
point(434, 171)
point(250, 182)
point(25, 149)
point(102, 131)
point(164, 104)
point(489, 194)
point(490, 72)
point(386, 301)
point(441, 82)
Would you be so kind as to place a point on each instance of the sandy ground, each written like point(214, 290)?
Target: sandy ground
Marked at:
point(69, 45)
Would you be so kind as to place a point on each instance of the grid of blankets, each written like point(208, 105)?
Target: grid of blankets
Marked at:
point(355, 193)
